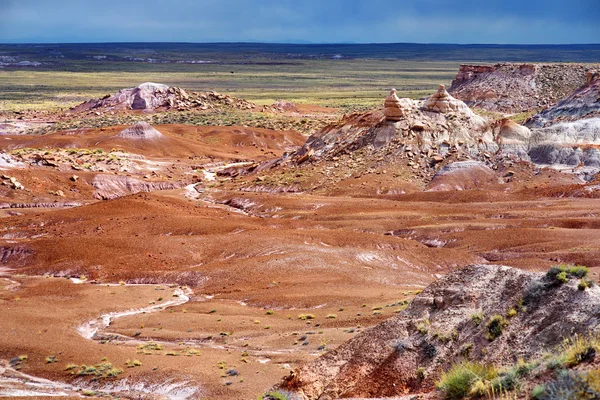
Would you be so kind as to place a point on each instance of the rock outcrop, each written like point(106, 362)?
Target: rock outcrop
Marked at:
point(392, 107)
point(568, 133)
point(513, 88)
point(140, 131)
point(568, 143)
point(114, 186)
point(436, 126)
point(513, 138)
point(407, 353)
point(582, 103)
point(8, 162)
point(442, 102)
point(150, 97)
point(462, 175)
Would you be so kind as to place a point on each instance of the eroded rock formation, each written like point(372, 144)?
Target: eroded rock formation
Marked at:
point(435, 125)
point(582, 103)
point(113, 186)
point(442, 102)
point(513, 88)
point(150, 96)
point(140, 131)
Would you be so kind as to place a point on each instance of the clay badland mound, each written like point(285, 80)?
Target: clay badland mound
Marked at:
point(512, 88)
point(425, 131)
point(437, 330)
point(568, 133)
point(141, 130)
point(152, 96)
point(582, 103)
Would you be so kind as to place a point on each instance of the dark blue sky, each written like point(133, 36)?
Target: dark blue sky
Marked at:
point(319, 21)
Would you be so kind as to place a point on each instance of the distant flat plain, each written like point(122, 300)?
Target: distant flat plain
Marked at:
point(346, 76)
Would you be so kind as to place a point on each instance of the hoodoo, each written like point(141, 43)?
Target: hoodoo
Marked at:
point(393, 107)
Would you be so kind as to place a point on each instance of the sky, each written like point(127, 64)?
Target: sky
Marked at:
point(302, 21)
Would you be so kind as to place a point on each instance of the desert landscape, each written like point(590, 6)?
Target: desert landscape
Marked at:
point(299, 222)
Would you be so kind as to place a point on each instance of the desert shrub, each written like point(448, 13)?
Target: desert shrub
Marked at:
point(429, 350)
point(584, 284)
point(535, 291)
point(506, 381)
point(305, 317)
point(466, 349)
point(421, 373)
point(150, 346)
point(51, 359)
point(511, 313)
point(538, 392)
point(279, 395)
point(561, 273)
point(562, 277)
point(477, 318)
point(460, 380)
point(574, 385)
point(422, 328)
point(524, 368)
point(580, 349)
point(442, 337)
point(495, 326)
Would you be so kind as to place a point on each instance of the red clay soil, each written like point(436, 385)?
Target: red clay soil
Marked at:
point(180, 141)
point(349, 252)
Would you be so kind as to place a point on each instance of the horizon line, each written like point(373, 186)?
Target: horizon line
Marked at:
point(304, 43)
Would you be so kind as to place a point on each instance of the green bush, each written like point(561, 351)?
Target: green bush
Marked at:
point(561, 273)
point(562, 277)
point(477, 318)
point(495, 326)
point(278, 395)
point(574, 385)
point(580, 349)
point(459, 381)
point(538, 392)
point(585, 284)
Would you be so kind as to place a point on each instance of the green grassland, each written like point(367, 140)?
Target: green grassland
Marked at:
point(349, 76)
point(335, 83)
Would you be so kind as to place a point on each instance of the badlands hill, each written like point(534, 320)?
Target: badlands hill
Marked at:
point(568, 133)
point(418, 134)
point(581, 103)
point(155, 96)
point(489, 314)
point(514, 88)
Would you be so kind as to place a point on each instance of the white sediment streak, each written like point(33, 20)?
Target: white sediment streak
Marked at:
point(89, 329)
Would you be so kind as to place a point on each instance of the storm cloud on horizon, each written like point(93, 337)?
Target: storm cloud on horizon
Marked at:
point(313, 21)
